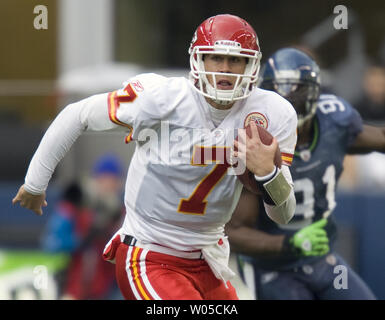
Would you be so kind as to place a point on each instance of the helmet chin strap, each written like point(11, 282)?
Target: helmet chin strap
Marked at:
point(235, 93)
point(218, 101)
point(222, 102)
point(302, 120)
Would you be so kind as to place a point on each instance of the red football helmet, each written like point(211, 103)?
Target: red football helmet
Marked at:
point(225, 35)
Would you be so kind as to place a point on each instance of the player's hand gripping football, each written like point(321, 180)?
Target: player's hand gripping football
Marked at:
point(311, 240)
point(259, 157)
point(30, 201)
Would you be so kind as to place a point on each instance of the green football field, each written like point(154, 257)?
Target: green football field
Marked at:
point(29, 274)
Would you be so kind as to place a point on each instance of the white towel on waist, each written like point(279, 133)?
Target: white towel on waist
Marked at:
point(217, 257)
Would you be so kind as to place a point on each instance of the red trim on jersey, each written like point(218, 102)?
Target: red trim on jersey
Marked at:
point(128, 137)
point(131, 94)
point(113, 106)
point(287, 158)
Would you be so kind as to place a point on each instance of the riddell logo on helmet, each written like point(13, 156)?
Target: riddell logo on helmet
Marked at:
point(227, 43)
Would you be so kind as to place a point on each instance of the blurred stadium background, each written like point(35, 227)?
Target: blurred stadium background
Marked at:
point(92, 46)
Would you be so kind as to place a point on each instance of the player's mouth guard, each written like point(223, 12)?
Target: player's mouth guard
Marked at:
point(278, 188)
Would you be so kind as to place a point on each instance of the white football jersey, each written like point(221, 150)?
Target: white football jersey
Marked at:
point(179, 190)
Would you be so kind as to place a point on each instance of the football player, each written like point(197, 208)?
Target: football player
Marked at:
point(296, 261)
point(180, 191)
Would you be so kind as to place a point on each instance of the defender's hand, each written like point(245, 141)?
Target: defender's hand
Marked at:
point(311, 240)
point(30, 201)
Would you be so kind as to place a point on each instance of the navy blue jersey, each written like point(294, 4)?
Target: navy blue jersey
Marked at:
point(315, 171)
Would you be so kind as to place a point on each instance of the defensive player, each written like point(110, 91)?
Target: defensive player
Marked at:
point(296, 261)
point(180, 189)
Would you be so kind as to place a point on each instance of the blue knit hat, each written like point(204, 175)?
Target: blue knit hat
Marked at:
point(108, 164)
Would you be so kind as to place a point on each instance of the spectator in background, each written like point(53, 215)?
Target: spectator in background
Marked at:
point(84, 220)
point(372, 104)
point(371, 172)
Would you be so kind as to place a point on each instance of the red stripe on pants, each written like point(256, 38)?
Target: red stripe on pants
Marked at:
point(172, 278)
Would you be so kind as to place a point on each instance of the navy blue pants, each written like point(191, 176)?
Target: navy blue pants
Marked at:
point(329, 278)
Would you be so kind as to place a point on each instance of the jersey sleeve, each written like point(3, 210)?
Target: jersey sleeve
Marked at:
point(139, 104)
point(343, 115)
point(129, 108)
point(87, 114)
point(284, 129)
point(287, 140)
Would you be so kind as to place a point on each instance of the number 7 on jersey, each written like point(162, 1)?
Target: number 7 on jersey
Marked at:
point(196, 203)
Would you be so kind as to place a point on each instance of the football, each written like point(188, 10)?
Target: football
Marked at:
point(247, 178)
